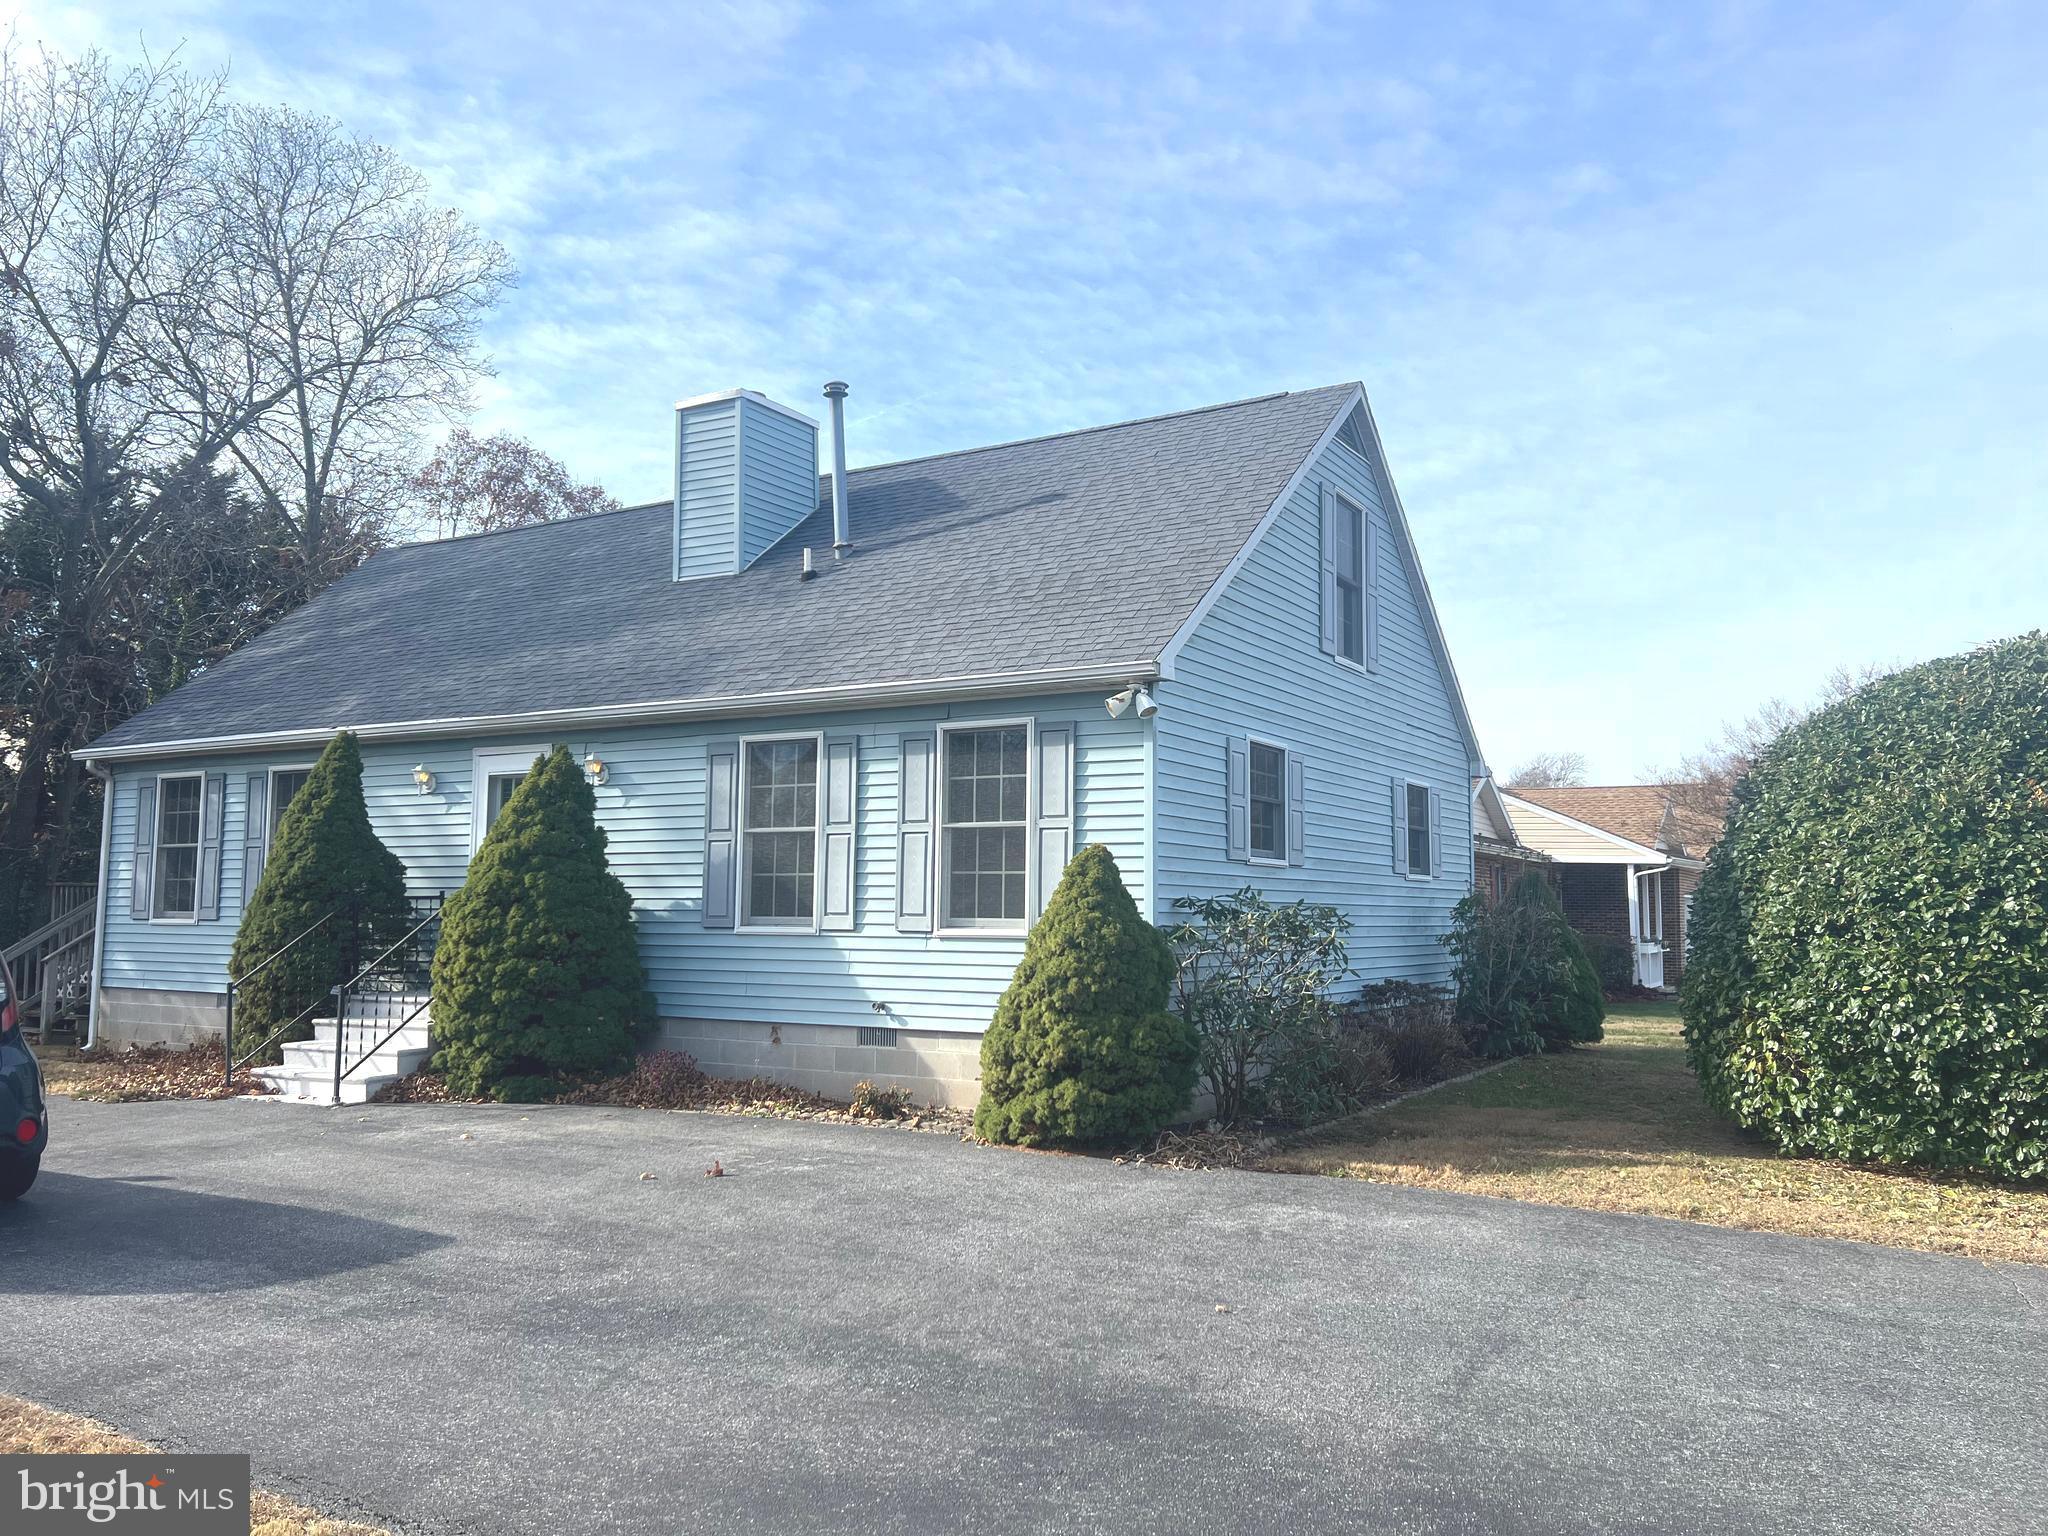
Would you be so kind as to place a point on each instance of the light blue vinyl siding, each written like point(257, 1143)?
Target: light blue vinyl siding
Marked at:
point(707, 489)
point(1254, 667)
point(746, 473)
point(778, 477)
point(652, 810)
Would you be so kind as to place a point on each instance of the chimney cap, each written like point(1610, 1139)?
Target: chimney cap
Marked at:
point(836, 390)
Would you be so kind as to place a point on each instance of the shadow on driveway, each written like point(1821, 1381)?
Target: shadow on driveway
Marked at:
point(140, 1236)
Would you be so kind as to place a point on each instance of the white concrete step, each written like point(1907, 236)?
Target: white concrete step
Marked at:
point(362, 1036)
point(302, 1085)
point(318, 1056)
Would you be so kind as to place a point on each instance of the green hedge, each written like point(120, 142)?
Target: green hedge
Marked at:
point(1869, 969)
point(537, 975)
point(1082, 1048)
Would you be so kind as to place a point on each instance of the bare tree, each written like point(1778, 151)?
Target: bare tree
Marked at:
point(102, 196)
point(1550, 770)
point(481, 484)
point(186, 286)
point(1703, 781)
point(345, 287)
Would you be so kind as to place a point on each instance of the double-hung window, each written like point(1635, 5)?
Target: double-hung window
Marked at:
point(1420, 826)
point(984, 850)
point(779, 823)
point(1268, 803)
point(285, 784)
point(178, 800)
point(1350, 562)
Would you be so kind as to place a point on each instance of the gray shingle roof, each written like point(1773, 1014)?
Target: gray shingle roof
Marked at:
point(1088, 547)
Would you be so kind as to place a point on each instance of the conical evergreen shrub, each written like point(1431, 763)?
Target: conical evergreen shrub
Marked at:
point(537, 975)
point(1082, 1047)
point(326, 858)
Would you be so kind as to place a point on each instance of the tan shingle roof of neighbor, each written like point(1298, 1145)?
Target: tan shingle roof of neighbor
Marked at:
point(1633, 811)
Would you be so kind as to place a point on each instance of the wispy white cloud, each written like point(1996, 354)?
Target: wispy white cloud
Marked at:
point(1705, 343)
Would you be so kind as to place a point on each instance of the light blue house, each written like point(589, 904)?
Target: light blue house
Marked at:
point(839, 782)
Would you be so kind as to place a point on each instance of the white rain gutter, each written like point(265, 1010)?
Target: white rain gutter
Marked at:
point(935, 690)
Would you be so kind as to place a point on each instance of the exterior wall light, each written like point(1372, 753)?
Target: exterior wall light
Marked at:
point(1126, 698)
point(423, 777)
point(596, 769)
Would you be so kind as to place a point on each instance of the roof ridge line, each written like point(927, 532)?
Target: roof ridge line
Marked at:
point(493, 533)
point(1107, 426)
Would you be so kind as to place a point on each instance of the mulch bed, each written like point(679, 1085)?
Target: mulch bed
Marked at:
point(670, 1080)
point(146, 1073)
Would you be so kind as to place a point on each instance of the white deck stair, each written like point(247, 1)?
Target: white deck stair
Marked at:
point(306, 1075)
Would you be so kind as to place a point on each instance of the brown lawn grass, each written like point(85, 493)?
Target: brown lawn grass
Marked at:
point(26, 1430)
point(1620, 1126)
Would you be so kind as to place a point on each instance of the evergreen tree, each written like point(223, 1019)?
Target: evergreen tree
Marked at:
point(1525, 980)
point(538, 973)
point(325, 859)
point(1082, 1047)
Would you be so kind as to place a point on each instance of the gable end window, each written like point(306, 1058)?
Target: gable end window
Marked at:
point(779, 833)
point(1421, 828)
point(1268, 802)
point(1350, 581)
point(178, 802)
point(1350, 573)
point(984, 850)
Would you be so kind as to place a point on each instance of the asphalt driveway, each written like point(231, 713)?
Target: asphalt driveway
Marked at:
point(455, 1319)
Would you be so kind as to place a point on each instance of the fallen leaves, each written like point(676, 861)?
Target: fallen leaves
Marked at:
point(144, 1074)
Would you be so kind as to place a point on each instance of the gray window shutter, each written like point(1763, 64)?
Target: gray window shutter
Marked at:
point(1237, 780)
point(1400, 827)
point(915, 753)
point(255, 834)
point(1372, 594)
point(212, 808)
point(1052, 811)
point(1297, 811)
point(842, 808)
point(1330, 641)
point(721, 831)
point(143, 865)
point(1436, 837)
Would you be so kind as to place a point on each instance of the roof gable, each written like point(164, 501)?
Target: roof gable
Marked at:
point(1088, 548)
point(1641, 814)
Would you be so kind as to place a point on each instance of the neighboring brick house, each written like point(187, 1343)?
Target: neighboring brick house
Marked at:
point(1629, 860)
point(1499, 856)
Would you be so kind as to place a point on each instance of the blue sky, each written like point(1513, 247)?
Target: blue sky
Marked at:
point(1709, 343)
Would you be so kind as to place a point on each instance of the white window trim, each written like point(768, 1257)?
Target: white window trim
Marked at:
point(1364, 575)
point(1252, 855)
point(270, 806)
point(484, 762)
point(1407, 808)
point(739, 911)
point(156, 862)
point(940, 826)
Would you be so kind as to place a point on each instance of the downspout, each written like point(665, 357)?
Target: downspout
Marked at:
point(99, 922)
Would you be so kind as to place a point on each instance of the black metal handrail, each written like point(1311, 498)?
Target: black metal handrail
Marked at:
point(235, 982)
point(341, 996)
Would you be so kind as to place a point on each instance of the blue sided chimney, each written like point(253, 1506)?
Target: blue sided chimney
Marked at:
point(746, 473)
